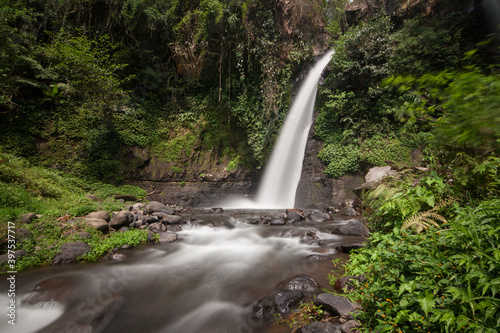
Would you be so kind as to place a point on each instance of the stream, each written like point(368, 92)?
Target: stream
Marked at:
point(206, 281)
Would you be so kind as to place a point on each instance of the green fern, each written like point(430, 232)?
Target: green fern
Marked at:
point(424, 220)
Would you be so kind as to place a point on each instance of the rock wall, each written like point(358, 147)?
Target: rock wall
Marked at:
point(316, 190)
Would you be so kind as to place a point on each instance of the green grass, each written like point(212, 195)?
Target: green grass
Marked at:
point(58, 197)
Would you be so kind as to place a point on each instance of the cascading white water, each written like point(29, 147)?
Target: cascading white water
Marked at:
point(282, 174)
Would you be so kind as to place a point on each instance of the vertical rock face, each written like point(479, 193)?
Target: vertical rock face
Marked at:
point(315, 189)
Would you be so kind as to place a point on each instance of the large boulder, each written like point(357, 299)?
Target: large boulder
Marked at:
point(301, 282)
point(338, 305)
point(120, 219)
point(376, 174)
point(318, 216)
point(281, 303)
point(167, 237)
point(155, 206)
point(103, 215)
point(173, 219)
point(351, 228)
point(294, 215)
point(96, 223)
point(70, 252)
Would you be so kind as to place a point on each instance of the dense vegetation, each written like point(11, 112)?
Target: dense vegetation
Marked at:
point(432, 261)
point(82, 81)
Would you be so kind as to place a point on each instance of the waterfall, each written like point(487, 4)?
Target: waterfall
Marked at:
point(282, 174)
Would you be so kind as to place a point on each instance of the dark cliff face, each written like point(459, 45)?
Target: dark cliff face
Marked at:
point(315, 189)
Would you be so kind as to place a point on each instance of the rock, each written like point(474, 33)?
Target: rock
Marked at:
point(123, 229)
point(316, 257)
point(354, 228)
point(167, 237)
point(301, 282)
point(150, 238)
point(286, 302)
point(173, 219)
point(294, 215)
point(28, 218)
point(157, 227)
point(318, 216)
point(320, 327)
point(118, 257)
point(137, 207)
point(350, 326)
point(264, 310)
point(174, 228)
point(277, 221)
point(281, 303)
point(349, 211)
point(70, 252)
point(218, 210)
point(120, 219)
point(103, 215)
point(345, 283)
point(338, 305)
point(4, 258)
point(97, 223)
point(23, 234)
point(155, 206)
point(376, 174)
point(152, 219)
point(347, 248)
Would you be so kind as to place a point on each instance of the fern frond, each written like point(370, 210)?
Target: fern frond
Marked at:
point(424, 220)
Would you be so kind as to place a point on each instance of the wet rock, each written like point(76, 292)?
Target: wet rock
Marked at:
point(301, 282)
point(157, 227)
point(155, 206)
point(264, 310)
point(350, 326)
point(281, 303)
point(294, 215)
point(150, 238)
point(174, 228)
point(320, 327)
point(70, 252)
point(312, 233)
point(338, 305)
point(318, 216)
point(118, 257)
point(120, 219)
point(317, 257)
point(152, 218)
point(126, 247)
point(96, 223)
point(4, 258)
point(218, 210)
point(173, 219)
point(351, 228)
point(63, 289)
point(103, 215)
point(28, 218)
point(277, 221)
point(286, 302)
point(167, 237)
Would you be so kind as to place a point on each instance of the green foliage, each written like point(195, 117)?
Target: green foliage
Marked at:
point(102, 244)
point(462, 107)
point(442, 281)
point(308, 312)
point(375, 151)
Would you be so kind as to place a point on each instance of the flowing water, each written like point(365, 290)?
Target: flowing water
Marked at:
point(282, 174)
point(207, 281)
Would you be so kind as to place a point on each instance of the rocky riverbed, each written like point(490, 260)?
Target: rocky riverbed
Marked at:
point(206, 270)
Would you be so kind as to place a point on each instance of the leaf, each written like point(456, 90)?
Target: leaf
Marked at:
point(427, 303)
